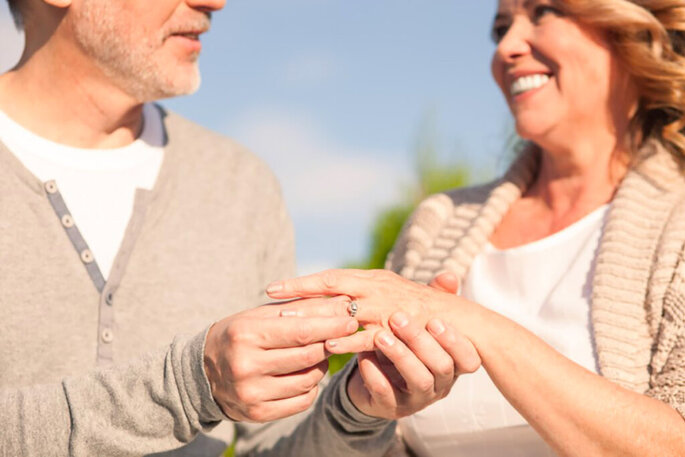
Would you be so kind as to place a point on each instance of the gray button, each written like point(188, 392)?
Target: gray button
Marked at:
point(87, 256)
point(109, 298)
point(107, 335)
point(51, 187)
point(67, 221)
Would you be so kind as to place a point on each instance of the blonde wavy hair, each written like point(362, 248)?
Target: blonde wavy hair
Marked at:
point(648, 37)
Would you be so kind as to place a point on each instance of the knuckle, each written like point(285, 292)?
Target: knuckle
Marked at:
point(257, 413)
point(245, 395)
point(308, 384)
point(425, 385)
point(241, 368)
point(471, 366)
point(445, 368)
point(303, 333)
point(378, 390)
point(329, 279)
point(236, 332)
point(310, 357)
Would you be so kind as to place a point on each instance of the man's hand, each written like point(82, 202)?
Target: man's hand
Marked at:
point(263, 365)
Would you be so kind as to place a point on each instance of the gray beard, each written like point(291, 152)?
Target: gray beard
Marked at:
point(130, 62)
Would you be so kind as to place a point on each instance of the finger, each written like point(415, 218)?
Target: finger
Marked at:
point(290, 360)
point(446, 282)
point(270, 388)
point(296, 331)
point(376, 383)
point(460, 348)
point(425, 347)
point(362, 341)
point(419, 380)
point(316, 307)
point(354, 283)
point(277, 409)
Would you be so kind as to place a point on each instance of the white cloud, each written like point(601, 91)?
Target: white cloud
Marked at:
point(321, 177)
point(311, 69)
point(12, 41)
point(333, 190)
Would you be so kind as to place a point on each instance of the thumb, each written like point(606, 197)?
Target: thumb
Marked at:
point(446, 282)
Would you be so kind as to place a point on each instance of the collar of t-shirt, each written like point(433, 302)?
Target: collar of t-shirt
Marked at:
point(98, 185)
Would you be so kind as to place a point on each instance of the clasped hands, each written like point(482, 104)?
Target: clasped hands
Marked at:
point(266, 363)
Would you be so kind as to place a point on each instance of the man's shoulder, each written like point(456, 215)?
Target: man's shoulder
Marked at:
point(210, 151)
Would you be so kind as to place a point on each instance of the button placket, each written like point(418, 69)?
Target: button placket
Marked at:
point(107, 335)
point(87, 256)
point(67, 221)
point(51, 187)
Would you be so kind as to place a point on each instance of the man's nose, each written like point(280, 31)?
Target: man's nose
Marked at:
point(206, 5)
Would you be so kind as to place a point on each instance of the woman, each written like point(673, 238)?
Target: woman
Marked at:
point(572, 264)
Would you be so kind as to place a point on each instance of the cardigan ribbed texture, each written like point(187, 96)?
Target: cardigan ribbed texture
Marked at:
point(638, 289)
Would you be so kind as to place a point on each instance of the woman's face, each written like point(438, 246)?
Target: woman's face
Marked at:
point(558, 77)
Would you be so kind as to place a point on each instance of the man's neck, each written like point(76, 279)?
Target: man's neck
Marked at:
point(79, 108)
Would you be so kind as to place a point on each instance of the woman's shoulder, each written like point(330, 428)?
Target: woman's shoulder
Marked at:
point(452, 208)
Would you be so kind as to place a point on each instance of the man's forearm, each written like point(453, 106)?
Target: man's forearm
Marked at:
point(153, 404)
point(333, 427)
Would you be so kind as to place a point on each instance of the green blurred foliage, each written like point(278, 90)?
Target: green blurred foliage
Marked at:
point(434, 173)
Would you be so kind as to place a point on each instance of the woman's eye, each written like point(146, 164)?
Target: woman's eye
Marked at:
point(541, 11)
point(498, 32)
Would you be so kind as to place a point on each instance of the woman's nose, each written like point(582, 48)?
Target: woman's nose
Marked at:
point(515, 42)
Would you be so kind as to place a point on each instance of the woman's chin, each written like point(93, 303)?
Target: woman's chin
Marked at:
point(531, 132)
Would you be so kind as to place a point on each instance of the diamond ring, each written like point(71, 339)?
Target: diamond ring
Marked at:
point(353, 308)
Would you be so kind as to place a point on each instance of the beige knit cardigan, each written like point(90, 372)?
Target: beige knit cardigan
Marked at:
point(638, 298)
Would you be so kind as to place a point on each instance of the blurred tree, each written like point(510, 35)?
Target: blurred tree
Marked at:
point(434, 173)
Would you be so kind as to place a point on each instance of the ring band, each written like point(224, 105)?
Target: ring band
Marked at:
point(353, 308)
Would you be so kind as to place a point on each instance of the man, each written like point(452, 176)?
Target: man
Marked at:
point(124, 226)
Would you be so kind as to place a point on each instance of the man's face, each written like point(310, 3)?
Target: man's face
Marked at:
point(148, 49)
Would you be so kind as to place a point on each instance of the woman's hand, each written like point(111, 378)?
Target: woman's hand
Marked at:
point(379, 293)
point(411, 369)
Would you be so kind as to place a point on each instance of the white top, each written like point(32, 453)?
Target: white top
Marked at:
point(98, 185)
point(544, 286)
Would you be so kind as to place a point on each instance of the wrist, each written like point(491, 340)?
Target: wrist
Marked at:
point(464, 316)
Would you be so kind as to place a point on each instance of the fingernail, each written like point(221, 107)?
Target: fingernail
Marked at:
point(386, 338)
point(400, 319)
point(289, 313)
point(352, 326)
point(332, 343)
point(436, 327)
point(274, 287)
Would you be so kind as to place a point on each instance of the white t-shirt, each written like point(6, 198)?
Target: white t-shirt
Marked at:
point(544, 286)
point(97, 185)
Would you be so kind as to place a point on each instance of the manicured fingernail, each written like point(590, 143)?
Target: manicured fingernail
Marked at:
point(436, 327)
point(352, 326)
point(274, 287)
point(386, 338)
point(400, 319)
point(289, 313)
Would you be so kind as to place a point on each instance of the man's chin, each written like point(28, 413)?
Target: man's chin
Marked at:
point(172, 86)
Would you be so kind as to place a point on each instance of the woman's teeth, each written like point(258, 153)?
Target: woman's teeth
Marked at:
point(526, 83)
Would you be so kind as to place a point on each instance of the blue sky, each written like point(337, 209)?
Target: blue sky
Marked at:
point(332, 93)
